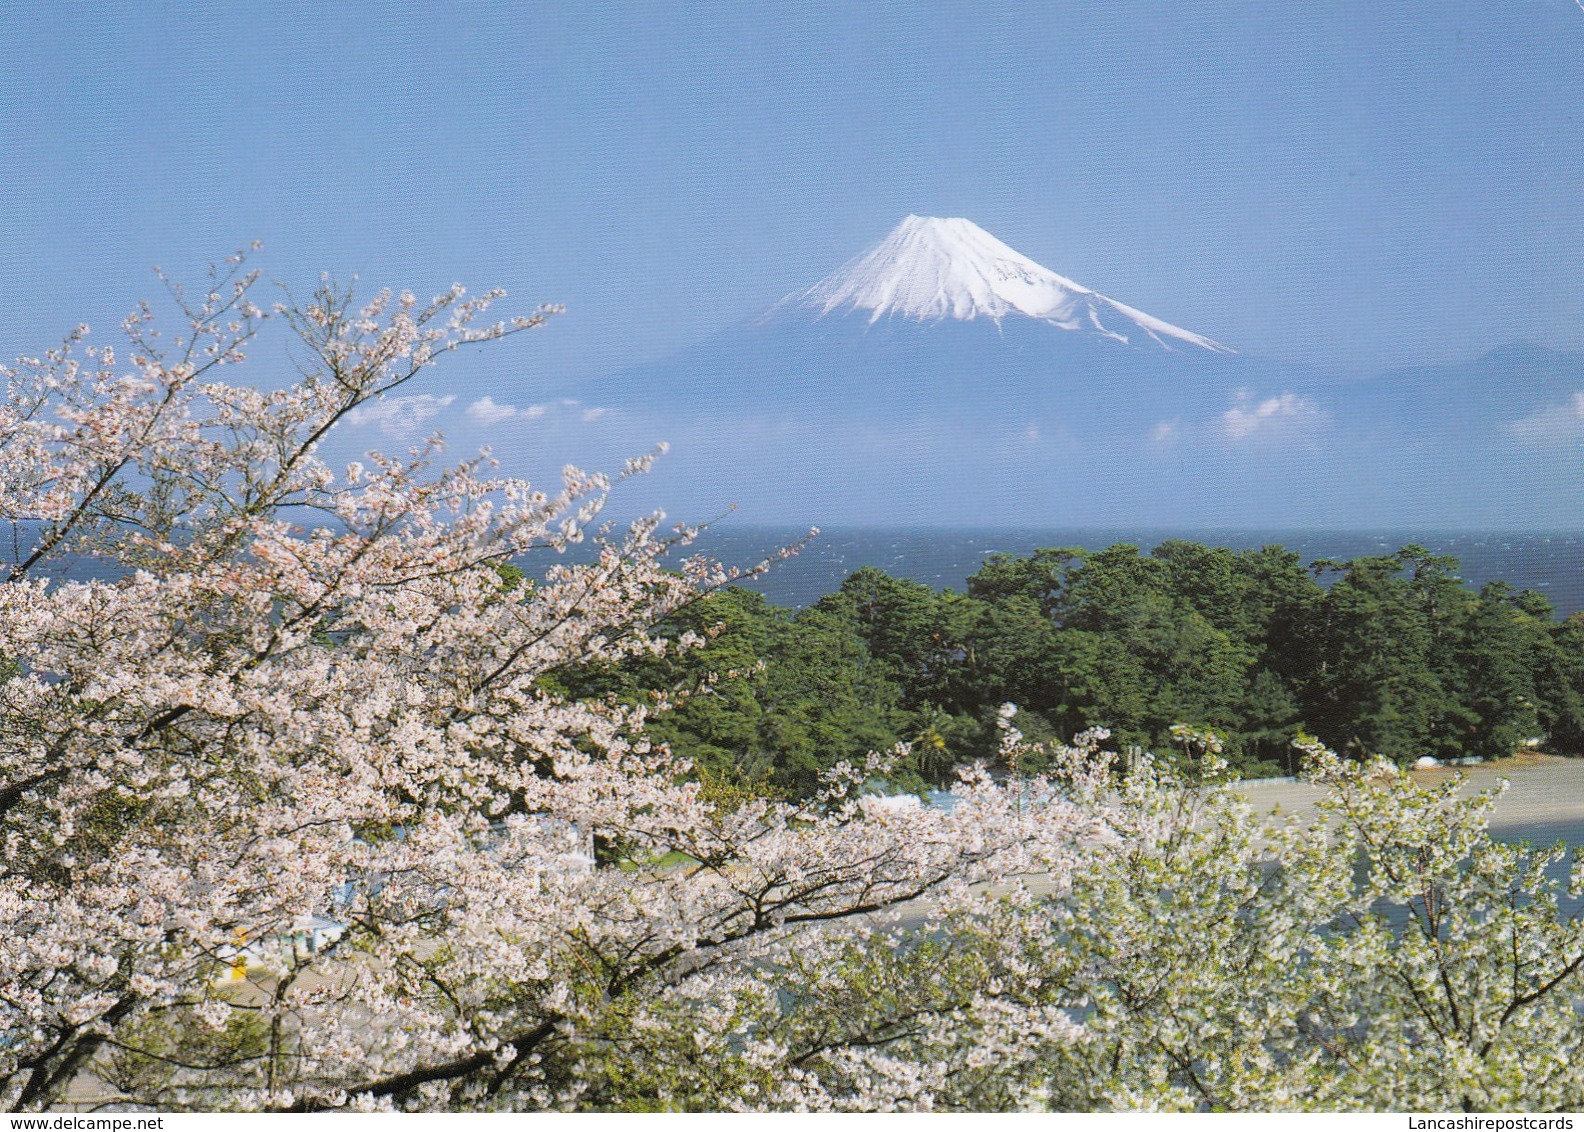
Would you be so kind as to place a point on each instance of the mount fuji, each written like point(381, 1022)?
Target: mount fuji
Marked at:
point(929, 269)
point(941, 320)
point(943, 377)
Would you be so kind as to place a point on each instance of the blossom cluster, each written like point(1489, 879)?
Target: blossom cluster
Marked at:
point(308, 696)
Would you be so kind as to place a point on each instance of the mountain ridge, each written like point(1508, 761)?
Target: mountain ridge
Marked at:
point(917, 397)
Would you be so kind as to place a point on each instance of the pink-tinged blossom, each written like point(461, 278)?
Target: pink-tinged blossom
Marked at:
point(293, 816)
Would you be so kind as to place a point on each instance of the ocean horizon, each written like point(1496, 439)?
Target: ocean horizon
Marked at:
point(1550, 563)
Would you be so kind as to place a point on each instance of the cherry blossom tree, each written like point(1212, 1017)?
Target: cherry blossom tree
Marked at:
point(292, 812)
point(1388, 954)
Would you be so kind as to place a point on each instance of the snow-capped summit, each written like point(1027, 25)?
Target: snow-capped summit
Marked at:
point(931, 268)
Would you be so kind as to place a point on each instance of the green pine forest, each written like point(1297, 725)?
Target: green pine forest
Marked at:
point(1391, 656)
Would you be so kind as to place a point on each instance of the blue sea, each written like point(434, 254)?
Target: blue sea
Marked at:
point(1550, 563)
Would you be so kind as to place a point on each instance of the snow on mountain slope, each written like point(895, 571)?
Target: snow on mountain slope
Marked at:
point(929, 269)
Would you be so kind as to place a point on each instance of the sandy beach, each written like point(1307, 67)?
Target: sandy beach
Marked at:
point(1544, 801)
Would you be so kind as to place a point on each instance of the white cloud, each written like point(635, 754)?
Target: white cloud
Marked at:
point(1553, 424)
point(487, 411)
point(400, 417)
point(1281, 416)
point(1165, 432)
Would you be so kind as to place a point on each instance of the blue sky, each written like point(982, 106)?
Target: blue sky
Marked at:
point(1332, 183)
point(1350, 185)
